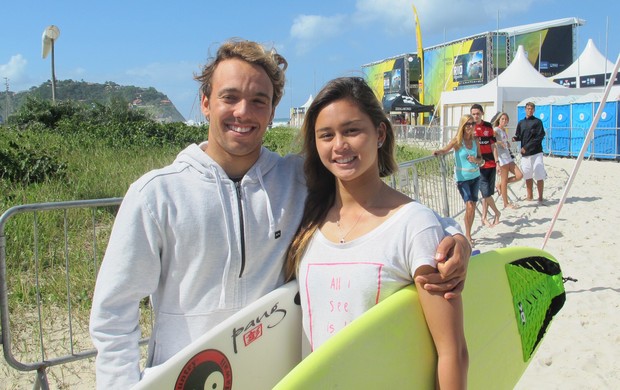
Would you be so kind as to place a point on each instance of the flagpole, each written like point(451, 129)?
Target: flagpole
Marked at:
point(420, 51)
point(584, 147)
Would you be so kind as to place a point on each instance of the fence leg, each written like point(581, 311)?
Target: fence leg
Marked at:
point(444, 188)
point(40, 382)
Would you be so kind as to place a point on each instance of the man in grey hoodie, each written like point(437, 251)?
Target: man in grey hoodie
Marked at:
point(207, 235)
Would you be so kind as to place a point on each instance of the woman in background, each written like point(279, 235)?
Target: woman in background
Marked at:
point(361, 240)
point(505, 159)
point(467, 161)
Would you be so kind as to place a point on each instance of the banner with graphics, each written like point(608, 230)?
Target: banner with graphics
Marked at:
point(467, 64)
point(549, 50)
point(454, 66)
point(387, 77)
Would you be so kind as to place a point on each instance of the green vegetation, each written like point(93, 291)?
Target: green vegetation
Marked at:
point(73, 151)
point(148, 100)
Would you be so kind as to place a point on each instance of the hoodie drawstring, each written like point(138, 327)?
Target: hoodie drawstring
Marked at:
point(272, 224)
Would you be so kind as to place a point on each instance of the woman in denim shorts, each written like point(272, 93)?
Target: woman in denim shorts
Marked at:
point(467, 159)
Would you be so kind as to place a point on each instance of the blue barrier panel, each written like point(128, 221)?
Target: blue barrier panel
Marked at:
point(606, 144)
point(559, 133)
point(581, 118)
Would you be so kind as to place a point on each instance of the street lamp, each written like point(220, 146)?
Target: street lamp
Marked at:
point(50, 34)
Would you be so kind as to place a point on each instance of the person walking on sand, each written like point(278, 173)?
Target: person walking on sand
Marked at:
point(484, 132)
point(505, 159)
point(530, 132)
point(467, 160)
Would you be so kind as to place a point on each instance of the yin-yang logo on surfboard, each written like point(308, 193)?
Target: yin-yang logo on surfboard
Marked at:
point(208, 369)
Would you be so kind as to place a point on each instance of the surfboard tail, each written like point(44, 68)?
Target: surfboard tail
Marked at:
point(538, 295)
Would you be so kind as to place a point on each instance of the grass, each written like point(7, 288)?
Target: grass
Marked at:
point(52, 257)
point(51, 268)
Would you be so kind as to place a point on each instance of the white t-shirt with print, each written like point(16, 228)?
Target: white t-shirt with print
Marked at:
point(339, 282)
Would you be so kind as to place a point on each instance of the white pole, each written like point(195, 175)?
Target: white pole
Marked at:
point(582, 153)
point(611, 81)
point(578, 78)
point(497, 100)
point(53, 75)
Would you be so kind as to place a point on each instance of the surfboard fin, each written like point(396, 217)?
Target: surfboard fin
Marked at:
point(538, 295)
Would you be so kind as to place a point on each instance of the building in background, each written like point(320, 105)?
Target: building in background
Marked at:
point(299, 113)
point(474, 61)
point(396, 82)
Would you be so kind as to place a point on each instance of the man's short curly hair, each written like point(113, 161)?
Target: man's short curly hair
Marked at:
point(254, 53)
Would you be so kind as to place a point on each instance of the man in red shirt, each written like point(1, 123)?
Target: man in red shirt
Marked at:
point(486, 138)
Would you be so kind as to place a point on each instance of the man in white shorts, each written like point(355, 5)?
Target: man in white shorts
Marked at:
point(530, 132)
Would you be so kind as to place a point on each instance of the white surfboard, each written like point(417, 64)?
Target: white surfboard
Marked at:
point(253, 349)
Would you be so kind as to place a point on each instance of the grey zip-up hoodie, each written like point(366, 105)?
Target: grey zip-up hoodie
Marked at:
point(201, 245)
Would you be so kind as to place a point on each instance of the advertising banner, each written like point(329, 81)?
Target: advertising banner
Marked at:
point(386, 77)
point(468, 68)
point(453, 66)
point(549, 50)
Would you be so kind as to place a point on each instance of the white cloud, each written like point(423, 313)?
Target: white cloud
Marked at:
point(437, 16)
point(15, 70)
point(310, 30)
point(396, 17)
point(393, 16)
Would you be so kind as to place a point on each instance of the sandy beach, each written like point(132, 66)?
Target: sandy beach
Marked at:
point(582, 347)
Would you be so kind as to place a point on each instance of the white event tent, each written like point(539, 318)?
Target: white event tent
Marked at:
point(518, 81)
point(591, 62)
point(299, 113)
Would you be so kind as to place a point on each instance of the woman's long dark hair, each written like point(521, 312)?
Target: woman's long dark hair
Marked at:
point(320, 181)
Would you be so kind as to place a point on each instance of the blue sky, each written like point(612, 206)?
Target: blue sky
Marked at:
point(163, 43)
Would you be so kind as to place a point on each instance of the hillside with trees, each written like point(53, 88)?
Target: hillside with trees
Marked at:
point(149, 100)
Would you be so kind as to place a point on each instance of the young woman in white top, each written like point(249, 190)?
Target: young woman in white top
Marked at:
point(361, 240)
point(505, 159)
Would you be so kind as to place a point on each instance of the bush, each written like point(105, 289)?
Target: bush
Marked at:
point(25, 165)
point(408, 153)
point(283, 140)
point(116, 123)
point(44, 112)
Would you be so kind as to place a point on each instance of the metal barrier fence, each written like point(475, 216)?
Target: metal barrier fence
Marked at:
point(430, 181)
point(428, 137)
point(49, 258)
point(50, 254)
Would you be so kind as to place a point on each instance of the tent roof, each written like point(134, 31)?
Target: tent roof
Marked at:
point(521, 73)
point(308, 102)
point(590, 62)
